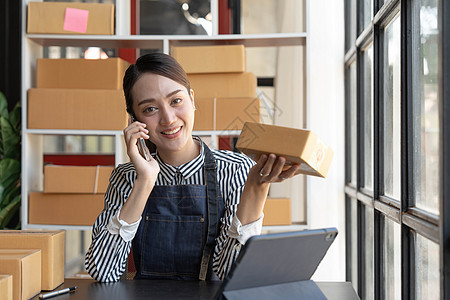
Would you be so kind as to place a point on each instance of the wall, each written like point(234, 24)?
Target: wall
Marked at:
point(326, 118)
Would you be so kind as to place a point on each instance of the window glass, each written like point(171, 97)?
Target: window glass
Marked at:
point(352, 80)
point(368, 117)
point(350, 24)
point(368, 12)
point(354, 241)
point(391, 111)
point(369, 253)
point(427, 269)
point(426, 107)
point(391, 260)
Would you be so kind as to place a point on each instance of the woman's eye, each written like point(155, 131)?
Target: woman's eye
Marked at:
point(150, 109)
point(176, 100)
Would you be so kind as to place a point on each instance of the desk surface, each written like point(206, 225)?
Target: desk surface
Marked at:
point(170, 289)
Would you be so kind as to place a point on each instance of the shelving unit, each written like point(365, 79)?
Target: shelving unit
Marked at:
point(32, 48)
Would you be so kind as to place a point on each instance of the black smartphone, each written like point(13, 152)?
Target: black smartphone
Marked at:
point(142, 147)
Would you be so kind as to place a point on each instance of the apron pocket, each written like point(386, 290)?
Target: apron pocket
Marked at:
point(172, 245)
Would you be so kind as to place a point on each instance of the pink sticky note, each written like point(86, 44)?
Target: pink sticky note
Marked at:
point(76, 20)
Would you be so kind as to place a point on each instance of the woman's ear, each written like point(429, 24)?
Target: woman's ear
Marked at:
point(191, 93)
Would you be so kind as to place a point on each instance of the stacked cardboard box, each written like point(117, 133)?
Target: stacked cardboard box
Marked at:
point(76, 94)
point(51, 258)
point(225, 94)
point(25, 268)
point(277, 211)
point(6, 287)
point(70, 18)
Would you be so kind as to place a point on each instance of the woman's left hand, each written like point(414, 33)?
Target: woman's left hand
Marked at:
point(270, 168)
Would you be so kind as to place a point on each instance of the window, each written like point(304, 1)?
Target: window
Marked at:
point(397, 148)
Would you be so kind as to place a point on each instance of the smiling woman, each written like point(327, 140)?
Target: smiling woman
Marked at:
point(188, 209)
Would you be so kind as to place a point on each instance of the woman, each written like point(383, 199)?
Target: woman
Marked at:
point(188, 209)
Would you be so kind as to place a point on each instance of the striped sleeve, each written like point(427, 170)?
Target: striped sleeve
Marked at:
point(232, 171)
point(106, 258)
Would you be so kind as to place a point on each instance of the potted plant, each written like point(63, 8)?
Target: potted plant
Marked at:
point(10, 170)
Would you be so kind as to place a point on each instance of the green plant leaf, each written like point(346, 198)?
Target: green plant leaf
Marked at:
point(10, 139)
point(8, 212)
point(3, 106)
point(9, 177)
point(15, 116)
point(10, 193)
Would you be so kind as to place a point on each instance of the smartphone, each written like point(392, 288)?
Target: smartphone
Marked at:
point(142, 147)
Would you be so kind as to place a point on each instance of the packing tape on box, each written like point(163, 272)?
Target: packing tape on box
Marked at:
point(97, 170)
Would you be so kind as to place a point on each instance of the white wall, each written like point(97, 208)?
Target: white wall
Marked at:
point(326, 118)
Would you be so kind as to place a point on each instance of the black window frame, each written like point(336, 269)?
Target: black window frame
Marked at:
point(402, 211)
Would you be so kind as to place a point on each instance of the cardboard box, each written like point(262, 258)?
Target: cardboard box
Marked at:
point(277, 211)
point(223, 85)
point(6, 287)
point(70, 18)
point(51, 244)
point(76, 109)
point(76, 179)
point(64, 209)
point(25, 268)
point(296, 145)
point(211, 59)
point(226, 113)
point(71, 73)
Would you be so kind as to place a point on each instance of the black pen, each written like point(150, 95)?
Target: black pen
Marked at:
point(56, 293)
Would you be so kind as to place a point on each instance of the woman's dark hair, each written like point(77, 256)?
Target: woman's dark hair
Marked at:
point(156, 63)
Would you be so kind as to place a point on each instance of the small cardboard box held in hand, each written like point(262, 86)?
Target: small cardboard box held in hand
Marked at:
point(25, 267)
point(296, 145)
point(6, 287)
point(51, 244)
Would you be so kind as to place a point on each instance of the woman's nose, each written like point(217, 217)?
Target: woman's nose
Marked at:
point(167, 116)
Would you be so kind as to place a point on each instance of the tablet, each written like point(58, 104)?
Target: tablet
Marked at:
point(278, 258)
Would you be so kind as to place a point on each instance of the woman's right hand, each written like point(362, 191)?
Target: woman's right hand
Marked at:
point(146, 170)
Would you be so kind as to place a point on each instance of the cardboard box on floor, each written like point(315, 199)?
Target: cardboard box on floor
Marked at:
point(226, 113)
point(6, 287)
point(54, 17)
point(70, 73)
point(64, 209)
point(76, 179)
point(51, 244)
point(296, 145)
point(76, 109)
point(211, 59)
point(25, 267)
point(277, 211)
point(223, 85)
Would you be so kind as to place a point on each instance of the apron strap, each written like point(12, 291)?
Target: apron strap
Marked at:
point(213, 210)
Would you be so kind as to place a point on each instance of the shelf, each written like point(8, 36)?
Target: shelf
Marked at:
point(284, 228)
point(72, 132)
point(59, 227)
point(156, 41)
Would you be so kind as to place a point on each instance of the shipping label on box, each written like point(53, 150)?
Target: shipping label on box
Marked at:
point(25, 268)
point(70, 73)
point(76, 109)
point(211, 59)
point(277, 211)
point(224, 85)
point(76, 179)
point(51, 244)
point(64, 209)
point(70, 18)
point(296, 145)
point(6, 287)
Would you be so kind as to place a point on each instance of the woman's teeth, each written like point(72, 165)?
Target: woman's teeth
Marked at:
point(172, 131)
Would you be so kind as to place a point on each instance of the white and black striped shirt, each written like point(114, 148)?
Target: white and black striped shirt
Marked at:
point(107, 255)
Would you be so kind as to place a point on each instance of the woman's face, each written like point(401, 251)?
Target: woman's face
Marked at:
point(168, 110)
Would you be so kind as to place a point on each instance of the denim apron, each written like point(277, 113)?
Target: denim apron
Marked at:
point(176, 236)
